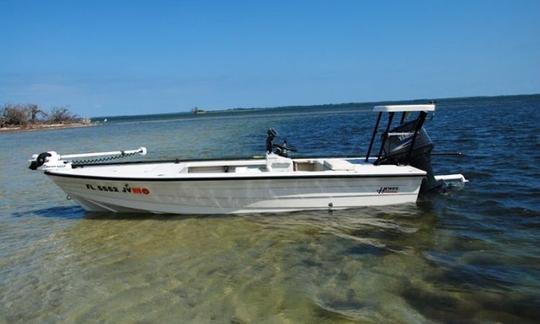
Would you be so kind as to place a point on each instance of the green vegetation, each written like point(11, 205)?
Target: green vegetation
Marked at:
point(30, 116)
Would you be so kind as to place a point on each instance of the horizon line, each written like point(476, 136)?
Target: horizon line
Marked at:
point(220, 110)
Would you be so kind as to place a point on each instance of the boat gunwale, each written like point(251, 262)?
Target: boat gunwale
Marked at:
point(225, 159)
point(236, 178)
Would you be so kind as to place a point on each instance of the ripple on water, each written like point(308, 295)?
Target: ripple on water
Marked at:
point(470, 255)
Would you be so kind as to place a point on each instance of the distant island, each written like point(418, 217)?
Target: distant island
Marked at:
point(198, 111)
point(367, 106)
point(15, 117)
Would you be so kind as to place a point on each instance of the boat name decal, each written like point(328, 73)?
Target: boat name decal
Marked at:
point(383, 190)
point(126, 189)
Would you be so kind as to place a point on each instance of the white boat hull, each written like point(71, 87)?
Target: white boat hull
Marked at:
point(233, 196)
point(274, 184)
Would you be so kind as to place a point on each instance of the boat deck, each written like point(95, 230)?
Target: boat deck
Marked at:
point(234, 169)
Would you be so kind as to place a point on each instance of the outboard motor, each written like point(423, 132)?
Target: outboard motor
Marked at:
point(401, 147)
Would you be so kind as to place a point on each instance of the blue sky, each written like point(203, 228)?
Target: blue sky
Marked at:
point(138, 57)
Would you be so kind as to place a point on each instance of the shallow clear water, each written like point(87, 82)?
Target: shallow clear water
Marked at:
point(471, 255)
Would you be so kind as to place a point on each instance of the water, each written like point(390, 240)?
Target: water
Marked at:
point(471, 255)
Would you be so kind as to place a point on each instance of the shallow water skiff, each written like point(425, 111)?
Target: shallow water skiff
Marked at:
point(276, 183)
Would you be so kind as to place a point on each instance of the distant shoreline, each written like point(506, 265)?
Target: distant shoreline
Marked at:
point(40, 127)
point(328, 105)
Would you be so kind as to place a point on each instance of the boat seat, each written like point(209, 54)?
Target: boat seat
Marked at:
point(276, 163)
point(339, 165)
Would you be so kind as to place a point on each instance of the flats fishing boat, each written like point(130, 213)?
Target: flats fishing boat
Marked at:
point(399, 171)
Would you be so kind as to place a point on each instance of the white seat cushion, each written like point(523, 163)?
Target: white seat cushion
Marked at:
point(339, 165)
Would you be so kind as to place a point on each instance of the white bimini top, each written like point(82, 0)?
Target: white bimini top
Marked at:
point(404, 108)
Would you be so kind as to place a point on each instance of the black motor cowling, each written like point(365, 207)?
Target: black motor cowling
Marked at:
point(39, 161)
point(397, 150)
point(282, 149)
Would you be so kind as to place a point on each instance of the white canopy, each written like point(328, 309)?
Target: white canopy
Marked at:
point(400, 108)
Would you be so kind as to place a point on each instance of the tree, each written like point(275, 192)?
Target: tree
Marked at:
point(16, 115)
point(60, 115)
point(29, 114)
point(2, 118)
point(34, 112)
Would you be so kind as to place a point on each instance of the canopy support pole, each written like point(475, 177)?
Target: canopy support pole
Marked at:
point(419, 124)
point(373, 136)
point(385, 135)
point(403, 116)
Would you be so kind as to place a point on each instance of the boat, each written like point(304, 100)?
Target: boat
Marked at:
point(396, 174)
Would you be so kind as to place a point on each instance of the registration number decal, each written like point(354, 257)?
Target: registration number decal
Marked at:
point(125, 189)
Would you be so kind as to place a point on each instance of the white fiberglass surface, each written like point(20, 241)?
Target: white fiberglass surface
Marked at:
point(167, 170)
point(402, 108)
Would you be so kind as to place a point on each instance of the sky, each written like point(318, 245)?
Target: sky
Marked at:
point(139, 57)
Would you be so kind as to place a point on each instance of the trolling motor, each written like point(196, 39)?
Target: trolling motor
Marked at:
point(282, 149)
point(53, 160)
